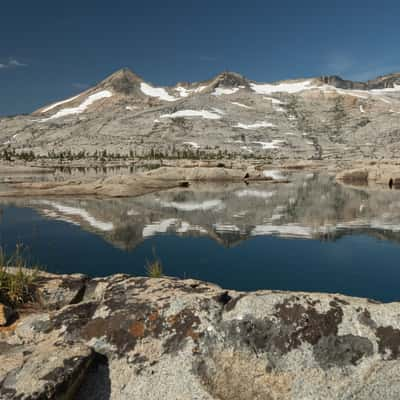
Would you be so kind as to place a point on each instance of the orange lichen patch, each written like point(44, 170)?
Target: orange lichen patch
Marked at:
point(137, 329)
point(182, 326)
point(153, 316)
point(191, 333)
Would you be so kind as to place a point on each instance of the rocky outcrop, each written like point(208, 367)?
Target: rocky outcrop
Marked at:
point(381, 82)
point(139, 184)
point(128, 337)
point(387, 175)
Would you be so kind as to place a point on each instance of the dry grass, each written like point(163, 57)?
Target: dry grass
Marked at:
point(16, 277)
point(154, 268)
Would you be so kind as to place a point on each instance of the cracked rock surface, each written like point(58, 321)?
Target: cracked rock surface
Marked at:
point(126, 337)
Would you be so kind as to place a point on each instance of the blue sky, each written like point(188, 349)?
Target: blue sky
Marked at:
point(50, 50)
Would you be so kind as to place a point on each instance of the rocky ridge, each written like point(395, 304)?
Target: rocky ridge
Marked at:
point(323, 118)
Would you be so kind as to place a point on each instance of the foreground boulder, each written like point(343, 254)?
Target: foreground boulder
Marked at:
point(140, 338)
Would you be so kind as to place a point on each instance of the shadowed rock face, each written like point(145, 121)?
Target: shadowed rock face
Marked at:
point(165, 338)
point(382, 82)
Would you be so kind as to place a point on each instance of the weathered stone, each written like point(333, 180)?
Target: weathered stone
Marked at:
point(50, 371)
point(55, 292)
point(180, 339)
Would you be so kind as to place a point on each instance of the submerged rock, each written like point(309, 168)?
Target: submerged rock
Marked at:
point(128, 338)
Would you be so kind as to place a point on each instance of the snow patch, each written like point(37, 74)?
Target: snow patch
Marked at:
point(194, 206)
point(241, 105)
point(384, 100)
point(160, 93)
point(218, 110)
point(256, 125)
point(346, 92)
point(283, 230)
point(274, 174)
point(287, 87)
point(164, 225)
point(82, 107)
point(261, 194)
point(221, 91)
point(395, 88)
point(183, 92)
point(95, 223)
point(186, 227)
point(132, 212)
point(274, 101)
point(158, 227)
point(226, 228)
point(193, 144)
point(246, 148)
point(59, 103)
point(192, 113)
point(270, 145)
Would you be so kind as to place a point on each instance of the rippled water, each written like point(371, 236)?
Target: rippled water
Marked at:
point(310, 234)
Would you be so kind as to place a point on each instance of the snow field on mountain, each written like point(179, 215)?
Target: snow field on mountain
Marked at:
point(82, 107)
point(192, 113)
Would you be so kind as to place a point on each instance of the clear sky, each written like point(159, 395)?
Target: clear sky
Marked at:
point(53, 49)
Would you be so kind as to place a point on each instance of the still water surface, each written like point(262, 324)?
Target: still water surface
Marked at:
point(308, 235)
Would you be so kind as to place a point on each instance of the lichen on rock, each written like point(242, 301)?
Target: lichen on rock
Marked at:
point(124, 337)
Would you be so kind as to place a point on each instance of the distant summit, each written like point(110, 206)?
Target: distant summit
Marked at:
point(382, 82)
point(123, 81)
point(229, 79)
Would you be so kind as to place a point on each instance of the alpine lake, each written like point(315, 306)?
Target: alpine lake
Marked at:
point(310, 234)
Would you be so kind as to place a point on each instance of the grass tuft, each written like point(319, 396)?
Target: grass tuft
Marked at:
point(154, 268)
point(16, 277)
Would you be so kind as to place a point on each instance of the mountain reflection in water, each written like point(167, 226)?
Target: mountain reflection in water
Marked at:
point(234, 217)
point(311, 206)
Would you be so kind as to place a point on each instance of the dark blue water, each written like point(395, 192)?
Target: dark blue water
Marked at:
point(355, 265)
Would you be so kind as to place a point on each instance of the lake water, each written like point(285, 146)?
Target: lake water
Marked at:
point(310, 234)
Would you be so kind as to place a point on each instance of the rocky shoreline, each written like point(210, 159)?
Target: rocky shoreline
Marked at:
point(124, 337)
point(140, 183)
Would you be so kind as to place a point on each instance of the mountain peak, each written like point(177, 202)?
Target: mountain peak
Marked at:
point(122, 81)
point(229, 79)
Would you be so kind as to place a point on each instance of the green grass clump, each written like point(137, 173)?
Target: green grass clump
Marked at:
point(16, 277)
point(154, 268)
